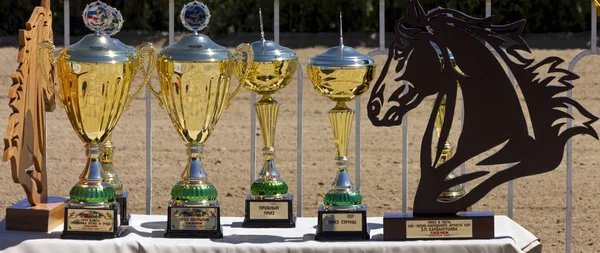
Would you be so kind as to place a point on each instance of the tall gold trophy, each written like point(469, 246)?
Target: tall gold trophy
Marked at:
point(95, 75)
point(194, 75)
point(341, 74)
point(107, 147)
point(269, 204)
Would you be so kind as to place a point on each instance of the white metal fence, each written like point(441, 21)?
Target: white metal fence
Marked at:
point(381, 51)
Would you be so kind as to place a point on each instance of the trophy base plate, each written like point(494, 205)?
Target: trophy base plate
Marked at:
point(463, 225)
point(342, 225)
point(194, 222)
point(41, 218)
point(269, 213)
point(125, 216)
point(91, 223)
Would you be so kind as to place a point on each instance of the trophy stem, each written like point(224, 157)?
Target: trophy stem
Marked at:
point(107, 164)
point(342, 195)
point(92, 190)
point(269, 185)
point(194, 189)
point(457, 191)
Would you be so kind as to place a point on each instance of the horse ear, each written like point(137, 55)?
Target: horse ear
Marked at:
point(415, 12)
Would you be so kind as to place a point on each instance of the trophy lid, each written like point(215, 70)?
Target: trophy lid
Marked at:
point(269, 51)
point(98, 47)
point(195, 47)
point(341, 56)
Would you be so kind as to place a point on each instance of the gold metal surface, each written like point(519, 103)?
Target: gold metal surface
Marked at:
point(266, 78)
point(341, 84)
point(194, 95)
point(92, 94)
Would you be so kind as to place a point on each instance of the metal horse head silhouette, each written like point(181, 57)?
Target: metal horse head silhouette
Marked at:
point(439, 52)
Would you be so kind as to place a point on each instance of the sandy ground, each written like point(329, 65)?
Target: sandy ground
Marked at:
point(539, 200)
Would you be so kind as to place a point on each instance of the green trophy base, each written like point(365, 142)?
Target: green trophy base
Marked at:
point(91, 223)
point(125, 216)
point(463, 225)
point(342, 225)
point(194, 222)
point(269, 213)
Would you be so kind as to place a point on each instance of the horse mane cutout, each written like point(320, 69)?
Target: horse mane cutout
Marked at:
point(443, 50)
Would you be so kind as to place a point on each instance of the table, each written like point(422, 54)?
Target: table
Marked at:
point(146, 235)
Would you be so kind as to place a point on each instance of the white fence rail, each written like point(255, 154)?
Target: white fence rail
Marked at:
point(381, 51)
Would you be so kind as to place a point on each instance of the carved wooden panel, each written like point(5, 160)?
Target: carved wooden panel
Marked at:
point(24, 143)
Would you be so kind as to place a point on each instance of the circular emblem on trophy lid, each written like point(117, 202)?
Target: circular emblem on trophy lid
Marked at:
point(117, 22)
point(195, 16)
point(97, 16)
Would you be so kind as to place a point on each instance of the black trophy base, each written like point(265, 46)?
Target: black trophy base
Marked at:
point(463, 225)
point(264, 213)
point(91, 223)
point(342, 225)
point(194, 222)
point(125, 216)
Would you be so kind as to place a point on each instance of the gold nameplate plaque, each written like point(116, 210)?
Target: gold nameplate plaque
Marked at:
point(185, 218)
point(342, 222)
point(269, 210)
point(430, 229)
point(90, 220)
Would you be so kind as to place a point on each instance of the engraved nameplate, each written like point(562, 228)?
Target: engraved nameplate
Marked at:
point(261, 210)
point(342, 222)
point(416, 229)
point(90, 220)
point(185, 218)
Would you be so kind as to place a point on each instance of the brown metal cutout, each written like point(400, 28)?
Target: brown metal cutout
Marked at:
point(24, 143)
point(439, 52)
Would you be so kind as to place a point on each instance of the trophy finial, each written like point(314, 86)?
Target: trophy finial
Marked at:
point(262, 30)
point(195, 16)
point(97, 16)
point(341, 37)
point(117, 22)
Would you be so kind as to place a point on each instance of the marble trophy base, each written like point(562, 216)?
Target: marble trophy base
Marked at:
point(91, 223)
point(342, 225)
point(463, 225)
point(40, 218)
point(194, 222)
point(269, 213)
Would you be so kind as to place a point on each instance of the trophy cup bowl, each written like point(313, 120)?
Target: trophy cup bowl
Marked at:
point(94, 76)
point(341, 74)
point(269, 204)
point(194, 75)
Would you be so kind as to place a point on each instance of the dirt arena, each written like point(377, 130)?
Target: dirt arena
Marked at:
point(539, 201)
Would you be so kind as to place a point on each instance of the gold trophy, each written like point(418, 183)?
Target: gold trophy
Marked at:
point(194, 75)
point(95, 75)
point(269, 204)
point(457, 191)
point(341, 74)
point(107, 147)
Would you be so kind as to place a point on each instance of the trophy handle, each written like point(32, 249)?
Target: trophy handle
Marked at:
point(49, 48)
point(145, 52)
point(239, 59)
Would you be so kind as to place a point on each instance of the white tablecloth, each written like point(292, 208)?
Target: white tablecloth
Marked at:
point(146, 235)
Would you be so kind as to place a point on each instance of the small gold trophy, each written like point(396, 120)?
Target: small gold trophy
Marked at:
point(194, 75)
point(269, 204)
point(341, 74)
point(457, 191)
point(95, 75)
